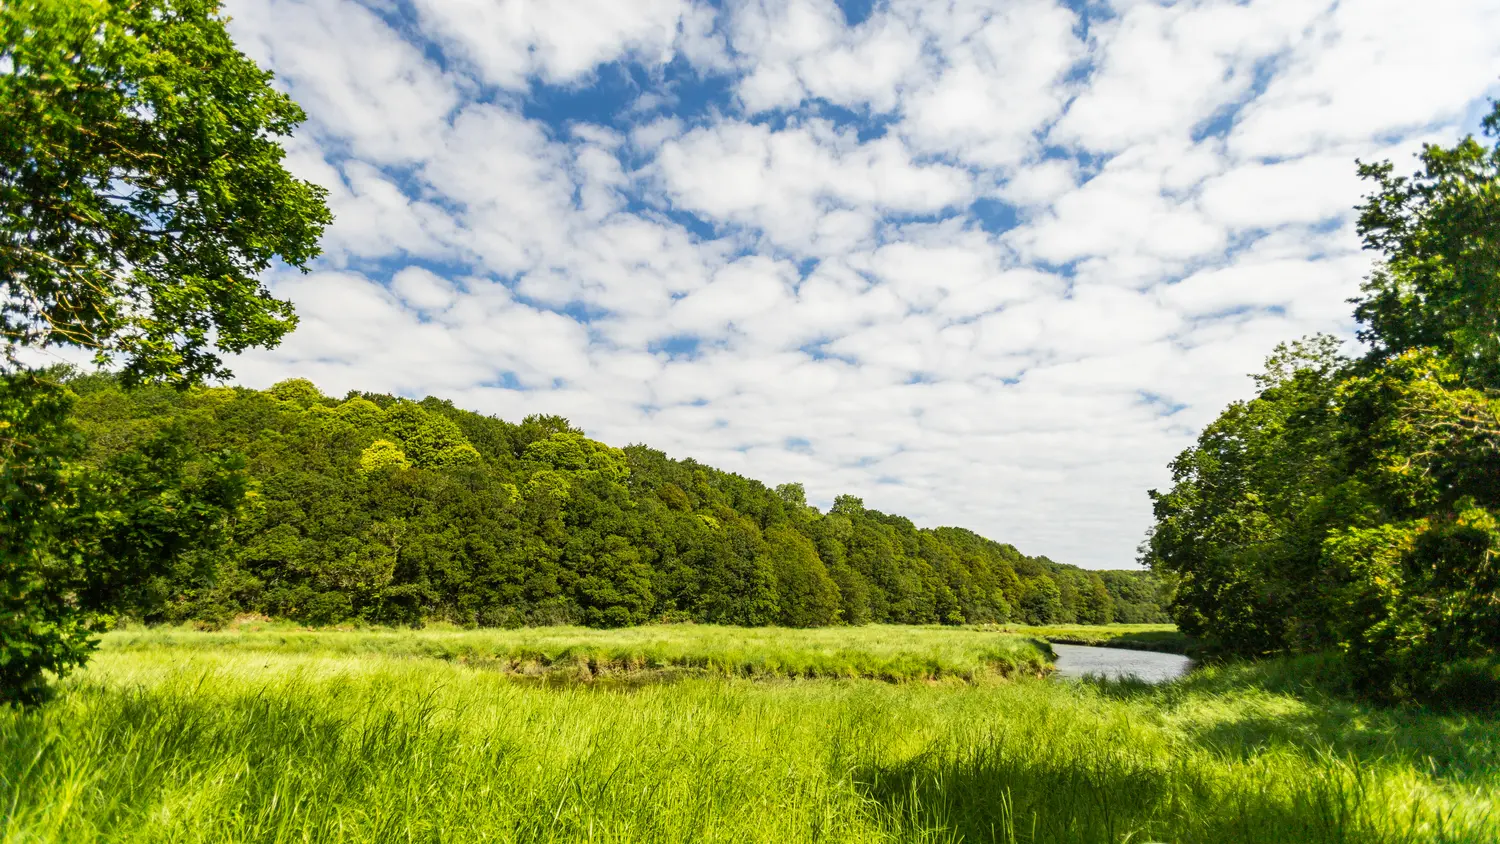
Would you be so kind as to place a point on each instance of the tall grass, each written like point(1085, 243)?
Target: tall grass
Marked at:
point(226, 742)
point(882, 652)
point(1146, 637)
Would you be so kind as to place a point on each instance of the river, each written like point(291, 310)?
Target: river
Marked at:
point(1117, 663)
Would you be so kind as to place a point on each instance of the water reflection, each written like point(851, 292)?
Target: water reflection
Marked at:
point(1118, 663)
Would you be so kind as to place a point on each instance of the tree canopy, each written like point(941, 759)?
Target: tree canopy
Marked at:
point(1352, 504)
point(142, 191)
point(538, 523)
point(142, 196)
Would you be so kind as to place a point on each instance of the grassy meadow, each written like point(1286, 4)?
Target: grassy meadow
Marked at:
point(880, 652)
point(1164, 638)
point(278, 735)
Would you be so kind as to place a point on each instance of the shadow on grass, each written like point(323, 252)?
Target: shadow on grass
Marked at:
point(1010, 796)
point(1306, 704)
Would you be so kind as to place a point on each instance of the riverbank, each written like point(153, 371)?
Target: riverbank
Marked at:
point(196, 740)
point(890, 653)
point(1162, 638)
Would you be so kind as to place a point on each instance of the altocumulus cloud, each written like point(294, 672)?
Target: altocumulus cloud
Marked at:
point(982, 263)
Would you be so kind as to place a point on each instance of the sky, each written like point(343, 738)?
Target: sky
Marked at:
point(987, 264)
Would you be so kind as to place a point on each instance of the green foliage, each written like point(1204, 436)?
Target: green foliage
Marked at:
point(1096, 606)
point(430, 440)
point(1235, 531)
point(360, 413)
point(142, 194)
point(358, 513)
point(1438, 232)
point(299, 391)
point(1353, 504)
point(82, 540)
point(579, 456)
point(382, 455)
point(40, 630)
point(143, 518)
point(1041, 602)
point(808, 595)
point(143, 190)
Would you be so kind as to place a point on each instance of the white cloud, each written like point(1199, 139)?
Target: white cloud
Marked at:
point(1182, 178)
point(799, 49)
point(1128, 209)
point(423, 290)
point(784, 182)
point(1041, 183)
point(1001, 80)
point(1303, 190)
point(1372, 69)
point(365, 89)
point(1165, 68)
point(563, 41)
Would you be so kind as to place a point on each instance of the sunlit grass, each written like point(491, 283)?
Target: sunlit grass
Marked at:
point(881, 652)
point(323, 739)
point(1146, 637)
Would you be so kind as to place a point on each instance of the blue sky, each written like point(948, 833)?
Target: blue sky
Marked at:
point(986, 264)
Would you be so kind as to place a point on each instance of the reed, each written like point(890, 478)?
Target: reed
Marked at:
point(359, 737)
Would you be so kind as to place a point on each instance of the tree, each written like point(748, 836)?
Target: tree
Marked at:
point(428, 439)
point(808, 595)
point(1355, 505)
point(142, 191)
point(40, 629)
point(546, 527)
point(145, 512)
point(1041, 602)
point(1438, 233)
point(1420, 584)
point(1096, 606)
point(382, 455)
point(141, 196)
point(1240, 527)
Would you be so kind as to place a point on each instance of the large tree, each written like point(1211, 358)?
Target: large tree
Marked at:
point(142, 191)
point(1355, 505)
point(1438, 234)
point(142, 196)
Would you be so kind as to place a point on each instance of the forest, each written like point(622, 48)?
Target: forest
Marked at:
point(382, 510)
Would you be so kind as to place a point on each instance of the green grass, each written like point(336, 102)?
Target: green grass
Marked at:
point(1164, 638)
point(880, 652)
point(345, 737)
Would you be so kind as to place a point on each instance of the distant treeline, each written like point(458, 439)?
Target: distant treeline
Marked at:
point(391, 511)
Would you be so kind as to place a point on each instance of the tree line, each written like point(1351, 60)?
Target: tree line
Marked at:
point(383, 510)
point(1351, 505)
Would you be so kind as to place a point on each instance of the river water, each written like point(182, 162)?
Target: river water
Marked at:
point(1118, 663)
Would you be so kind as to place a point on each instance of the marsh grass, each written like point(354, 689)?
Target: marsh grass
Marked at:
point(879, 652)
point(1164, 638)
point(197, 740)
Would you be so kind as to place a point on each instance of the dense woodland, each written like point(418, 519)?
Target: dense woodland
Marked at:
point(385, 510)
point(1353, 505)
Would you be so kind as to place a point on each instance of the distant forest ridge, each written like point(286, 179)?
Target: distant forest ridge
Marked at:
point(390, 511)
